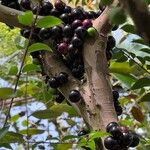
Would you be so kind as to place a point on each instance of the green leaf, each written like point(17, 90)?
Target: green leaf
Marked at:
point(65, 146)
point(128, 28)
point(3, 131)
point(6, 145)
point(143, 82)
point(146, 50)
point(14, 118)
point(26, 18)
point(140, 41)
point(55, 111)
point(13, 70)
point(12, 137)
point(69, 137)
point(31, 131)
point(6, 93)
point(97, 134)
point(106, 2)
point(117, 16)
point(125, 79)
point(31, 68)
point(141, 59)
point(145, 98)
point(48, 21)
point(38, 47)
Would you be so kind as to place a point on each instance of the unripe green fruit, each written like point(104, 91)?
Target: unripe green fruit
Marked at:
point(91, 31)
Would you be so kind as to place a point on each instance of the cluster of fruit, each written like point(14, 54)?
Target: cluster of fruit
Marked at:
point(117, 106)
point(121, 137)
point(111, 43)
point(68, 39)
point(59, 81)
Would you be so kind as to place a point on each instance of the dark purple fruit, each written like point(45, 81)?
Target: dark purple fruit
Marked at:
point(74, 96)
point(59, 98)
point(118, 110)
point(54, 82)
point(35, 9)
point(111, 43)
point(135, 140)
point(76, 42)
point(110, 125)
point(116, 132)
point(25, 4)
point(65, 18)
point(77, 13)
point(87, 23)
point(110, 143)
point(14, 5)
point(126, 139)
point(59, 5)
point(91, 14)
point(56, 32)
point(76, 23)
point(63, 48)
point(124, 129)
point(44, 34)
point(83, 132)
point(54, 12)
point(80, 32)
point(46, 8)
point(67, 9)
point(63, 78)
point(26, 33)
point(115, 28)
point(67, 31)
point(115, 95)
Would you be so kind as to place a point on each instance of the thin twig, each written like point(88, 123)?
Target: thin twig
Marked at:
point(22, 64)
point(130, 57)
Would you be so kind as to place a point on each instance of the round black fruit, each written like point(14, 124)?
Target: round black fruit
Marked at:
point(111, 43)
point(54, 82)
point(56, 31)
point(46, 8)
point(115, 28)
point(67, 9)
point(76, 42)
point(83, 132)
point(115, 95)
point(118, 110)
point(65, 18)
point(54, 12)
point(77, 13)
point(63, 78)
point(67, 31)
point(126, 139)
point(110, 143)
point(74, 96)
point(80, 32)
point(116, 132)
point(135, 140)
point(110, 125)
point(25, 4)
point(59, 5)
point(44, 34)
point(76, 23)
point(59, 98)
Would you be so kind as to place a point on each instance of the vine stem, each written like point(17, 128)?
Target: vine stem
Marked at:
point(22, 64)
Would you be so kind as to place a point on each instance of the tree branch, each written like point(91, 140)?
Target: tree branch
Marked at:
point(138, 10)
